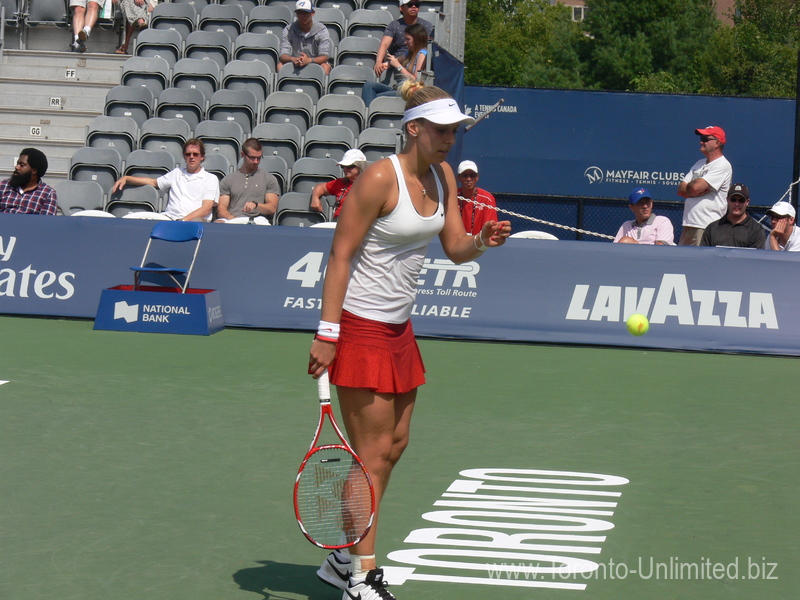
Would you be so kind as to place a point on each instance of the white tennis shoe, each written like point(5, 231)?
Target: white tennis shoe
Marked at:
point(336, 569)
point(371, 588)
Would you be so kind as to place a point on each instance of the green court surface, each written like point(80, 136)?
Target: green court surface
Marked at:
point(160, 467)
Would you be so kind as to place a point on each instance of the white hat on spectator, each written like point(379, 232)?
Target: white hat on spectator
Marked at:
point(304, 5)
point(783, 209)
point(467, 165)
point(351, 157)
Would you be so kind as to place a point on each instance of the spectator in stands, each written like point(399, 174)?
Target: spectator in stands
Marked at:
point(353, 163)
point(474, 216)
point(249, 191)
point(408, 66)
point(137, 16)
point(84, 16)
point(736, 228)
point(393, 41)
point(784, 234)
point(25, 192)
point(193, 191)
point(705, 186)
point(305, 41)
point(645, 228)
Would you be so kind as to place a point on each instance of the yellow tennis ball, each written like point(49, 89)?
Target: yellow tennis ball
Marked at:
point(638, 324)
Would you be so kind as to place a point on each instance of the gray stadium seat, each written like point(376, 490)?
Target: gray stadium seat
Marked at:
point(280, 139)
point(149, 163)
point(209, 45)
point(46, 12)
point(182, 103)
point(165, 134)
point(195, 73)
point(133, 198)
point(334, 20)
point(74, 196)
point(102, 165)
point(309, 80)
point(349, 79)
point(218, 164)
point(386, 112)
point(120, 133)
point(252, 75)
point(150, 72)
point(358, 51)
point(391, 7)
point(13, 14)
point(377, 143)
point(221, 137)
point(278, 167)
point(289, 107)
point(368, 23)
point(341, 109)
point(238, 106)
point(269, 19)
point(294, 210)
point(308, 172)
point(130, 101)
point(165, 43)
point(346, 6)
point(247, 5)
point(229, 18)
point(328, 141)
point(258, 46)
point(180, 16)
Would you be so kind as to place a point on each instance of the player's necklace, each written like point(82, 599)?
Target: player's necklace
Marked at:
point(419, 183)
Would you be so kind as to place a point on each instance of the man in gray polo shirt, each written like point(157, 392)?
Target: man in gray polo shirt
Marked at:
point(305, 41)
point(248, 192)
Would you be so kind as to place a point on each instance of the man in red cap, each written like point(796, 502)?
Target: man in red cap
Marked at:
point(705, 187)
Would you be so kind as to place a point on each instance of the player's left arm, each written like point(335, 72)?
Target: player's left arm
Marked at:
point(458, 245)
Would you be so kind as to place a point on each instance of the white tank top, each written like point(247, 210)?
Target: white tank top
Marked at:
point(385, 269)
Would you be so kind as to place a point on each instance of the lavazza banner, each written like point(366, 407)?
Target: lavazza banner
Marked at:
point(717, 299)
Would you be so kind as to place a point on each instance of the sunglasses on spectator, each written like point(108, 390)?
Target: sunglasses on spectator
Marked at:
point(737, 199)
point(413, 5)
point(254, 158)
point(190, 154)
point(706, 138)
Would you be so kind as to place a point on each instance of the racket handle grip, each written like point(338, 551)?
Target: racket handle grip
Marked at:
point(324, 387)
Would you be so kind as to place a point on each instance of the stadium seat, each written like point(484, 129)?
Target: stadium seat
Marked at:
point(74, 196)
point(170, 232)
point(13, 14)
point(430, 16)
point(258, 46)
point(120, 133)
point(180, 16)
point(252, 75)
point(341, 109)
point(229, 18)
point(247, 5)
point(221, 137)
point(279, 139)
point(218, 164)
point(309, 80)
point(391, 7)
point(209, 45)
point(289, 107)
point(128, 101)
point(431, 6)
point(386, 112)
point(239, 106)
point(182, 103)
point(328, 141)
point(195, 73)
point(133, 198)
point(102, 165)
point(165, 134)
point(377, 143)
point(334, 20)
point(368, 23)
point(349, 79)
point(46, 12)
point(164, 43)
point(294, 210)
point(149, 163)
point(278, 167)
point(358, 51)
point(150, 72)
point(269, 19)
point(308, 172)
point(346, 6)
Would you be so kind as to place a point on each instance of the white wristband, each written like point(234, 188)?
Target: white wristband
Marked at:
point(328, 330)
point(482, 247)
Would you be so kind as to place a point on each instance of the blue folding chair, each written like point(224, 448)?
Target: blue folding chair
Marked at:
point(170, 231)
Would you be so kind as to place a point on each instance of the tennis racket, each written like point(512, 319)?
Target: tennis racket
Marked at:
point(334, 500)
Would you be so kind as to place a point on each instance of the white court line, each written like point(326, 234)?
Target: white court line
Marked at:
point(2, 382)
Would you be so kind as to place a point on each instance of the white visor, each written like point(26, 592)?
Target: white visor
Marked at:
point(441, 112)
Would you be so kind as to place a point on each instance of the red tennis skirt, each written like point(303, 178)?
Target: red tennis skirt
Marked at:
point(382, 357)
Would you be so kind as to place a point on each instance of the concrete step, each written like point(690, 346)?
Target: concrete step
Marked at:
point(54, 98)
point(62, 66)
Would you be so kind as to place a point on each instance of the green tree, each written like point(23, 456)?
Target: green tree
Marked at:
point(521, 43)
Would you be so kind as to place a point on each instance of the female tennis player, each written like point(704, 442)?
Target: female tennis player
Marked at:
point(365, 338)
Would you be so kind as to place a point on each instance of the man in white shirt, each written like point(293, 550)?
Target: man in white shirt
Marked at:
point(705, 187)
point(193, 191)
point(784, 234)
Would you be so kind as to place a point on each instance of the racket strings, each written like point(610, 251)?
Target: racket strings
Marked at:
point(334, 499)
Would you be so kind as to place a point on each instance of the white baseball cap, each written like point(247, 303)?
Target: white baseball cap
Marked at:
point(467, 165)
point(783, 209)
point(304, 5)
point(351, 157)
